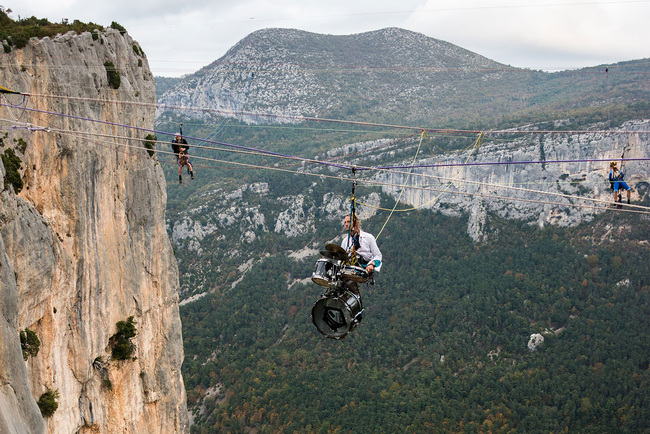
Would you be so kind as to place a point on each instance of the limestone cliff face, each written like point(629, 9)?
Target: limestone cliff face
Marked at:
point(538, 193)
point(84, 245)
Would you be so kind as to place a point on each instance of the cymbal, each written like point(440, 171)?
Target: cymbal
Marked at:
point(334, 251)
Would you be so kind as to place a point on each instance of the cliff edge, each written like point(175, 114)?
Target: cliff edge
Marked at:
point(83, 243)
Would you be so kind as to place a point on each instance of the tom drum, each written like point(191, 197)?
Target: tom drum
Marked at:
point(354, 273)
point(325, 271)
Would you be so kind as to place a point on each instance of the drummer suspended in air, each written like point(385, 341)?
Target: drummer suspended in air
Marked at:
point(361, 246)
point(341, 269)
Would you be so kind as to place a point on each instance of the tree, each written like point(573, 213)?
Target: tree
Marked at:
point(121, 341)
point(47, 402)
point(29, 343)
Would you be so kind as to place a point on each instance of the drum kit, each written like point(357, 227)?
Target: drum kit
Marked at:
point(339, 309)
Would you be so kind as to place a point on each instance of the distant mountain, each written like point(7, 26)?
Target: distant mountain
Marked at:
point(163, 84)
point(390, 75)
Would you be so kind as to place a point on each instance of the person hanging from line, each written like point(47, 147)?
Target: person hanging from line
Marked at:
point(616, 182)
point(180, 148)
point(361, 247)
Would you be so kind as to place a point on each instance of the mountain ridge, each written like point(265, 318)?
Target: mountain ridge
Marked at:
point(388, 75)
point(307, 72)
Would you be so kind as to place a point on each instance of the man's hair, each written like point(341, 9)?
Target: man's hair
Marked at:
point(356, 222)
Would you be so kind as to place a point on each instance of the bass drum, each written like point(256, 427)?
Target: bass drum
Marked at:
point(325, 271)
point(336, 315)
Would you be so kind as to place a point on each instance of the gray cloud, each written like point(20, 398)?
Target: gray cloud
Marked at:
point(181, 36)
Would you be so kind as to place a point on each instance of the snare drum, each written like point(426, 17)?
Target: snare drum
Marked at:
point(325, 271)
point(354, 273)
point(337, 314)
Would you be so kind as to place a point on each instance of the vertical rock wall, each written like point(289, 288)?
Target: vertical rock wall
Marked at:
point(532, 191)
point(87, 245)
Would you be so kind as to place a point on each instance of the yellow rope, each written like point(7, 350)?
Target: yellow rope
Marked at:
point(477, 144)
point(402, 191)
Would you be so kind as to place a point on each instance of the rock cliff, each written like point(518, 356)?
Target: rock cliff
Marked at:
point(83, 245)
point(539, 193)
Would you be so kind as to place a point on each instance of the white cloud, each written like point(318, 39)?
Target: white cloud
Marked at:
point(542, 34)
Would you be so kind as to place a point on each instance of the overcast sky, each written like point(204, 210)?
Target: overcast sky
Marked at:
point(181, 36)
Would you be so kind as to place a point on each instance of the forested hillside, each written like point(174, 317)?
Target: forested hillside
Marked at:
point(443, 345)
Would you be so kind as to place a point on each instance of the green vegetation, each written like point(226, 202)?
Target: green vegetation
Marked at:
point(20, 145)
point(122, 347)
point(112, 74)
point(137, 50)
point(12, 163)
point(443, 343)
point(29, 343)
point(47, 402)
point(16, 34)
point(150, 144)
point(117, 26)
point(163, 84)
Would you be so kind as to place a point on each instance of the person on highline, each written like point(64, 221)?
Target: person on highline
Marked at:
point(180, 148)
point(616, 181)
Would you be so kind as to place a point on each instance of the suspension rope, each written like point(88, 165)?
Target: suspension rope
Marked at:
point(353, 217)
point(638, 208)
point(476, 144)
point(313, 160)
point(422, 135)
point(504, 163)
point(344, 166)
point(300, 118)
point(276, 154)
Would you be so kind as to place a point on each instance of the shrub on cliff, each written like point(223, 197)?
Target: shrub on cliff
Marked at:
point(117, 26)
point(18, 33)
point(113, 75)
point(12, 163)
point(29, 343)
point(150, 143)
point(47, 402)
point(122, 347)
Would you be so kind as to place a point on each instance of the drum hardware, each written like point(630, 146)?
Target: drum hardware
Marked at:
point(354, 273)
point(338, 311)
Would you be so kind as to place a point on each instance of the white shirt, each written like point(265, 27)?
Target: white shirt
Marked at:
point(368, 249)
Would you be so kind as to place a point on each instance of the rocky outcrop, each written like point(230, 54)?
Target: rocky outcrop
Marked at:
point(84, 245)
point(18, 410)
point(539, 193)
